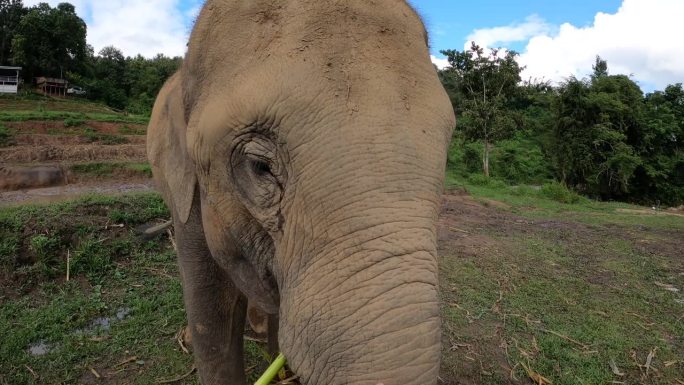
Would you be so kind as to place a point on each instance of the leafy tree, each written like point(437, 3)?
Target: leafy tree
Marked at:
point(660, 178)
point(482, 84)
point(144, 79)
point(597, 122)
point(11, 12)
point(600, 68)
point(49, 41)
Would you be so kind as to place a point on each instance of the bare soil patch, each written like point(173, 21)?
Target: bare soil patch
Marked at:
point(67, 140)
point(60, 193)
point(76, 153)
point(57, 126)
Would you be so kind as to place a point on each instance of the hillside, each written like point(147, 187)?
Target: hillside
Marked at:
point(86, 146)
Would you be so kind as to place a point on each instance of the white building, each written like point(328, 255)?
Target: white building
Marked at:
point(9, 79)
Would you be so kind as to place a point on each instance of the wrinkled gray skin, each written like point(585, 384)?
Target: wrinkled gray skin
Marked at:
point(17, 178)
point(301, 150)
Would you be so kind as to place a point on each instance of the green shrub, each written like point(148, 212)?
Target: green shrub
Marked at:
point(125, 130)
point(519, 161)
point(472, 157)
point(73, 122)
point(93, 169)
point(481, 180)
point(560, 193)
point(90, 257)
point(6, 136)
point(46, 250)
point(93, 136)
point(143, 168)
point(523, 191)
point(478, 180)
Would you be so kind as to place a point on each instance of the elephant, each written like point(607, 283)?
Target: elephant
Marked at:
point(301, 150)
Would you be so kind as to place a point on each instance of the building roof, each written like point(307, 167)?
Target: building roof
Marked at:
point(43, 79)
point(9, 68)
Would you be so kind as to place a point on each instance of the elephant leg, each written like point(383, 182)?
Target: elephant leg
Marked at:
point(215, 308)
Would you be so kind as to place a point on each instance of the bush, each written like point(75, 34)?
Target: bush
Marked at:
point(523, 191)
point(481, 180)
point(560, 193)
point(520, 160)
point(46, 251)
point(73, 122)
point(6, 137)
point(107, 139)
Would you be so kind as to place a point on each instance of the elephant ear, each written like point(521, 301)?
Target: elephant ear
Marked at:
point(167, 151)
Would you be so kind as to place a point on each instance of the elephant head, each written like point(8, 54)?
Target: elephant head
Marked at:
point(301, 149)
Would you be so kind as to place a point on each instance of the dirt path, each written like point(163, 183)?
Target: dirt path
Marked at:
point(61, 193)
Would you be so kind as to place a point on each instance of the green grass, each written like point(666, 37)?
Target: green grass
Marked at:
point(20, 116)
point(564, 300)
point(111, 269)
point(565, 289)
point(106, 139)
point(101, 169)
point(126, 130)
point(33, 101)
point(6, 136)
point(554, 200)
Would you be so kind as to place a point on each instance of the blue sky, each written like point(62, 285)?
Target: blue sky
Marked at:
point(555, 38)
point(451, 21)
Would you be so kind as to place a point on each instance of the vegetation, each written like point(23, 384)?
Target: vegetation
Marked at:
point(109, 169)
point(601, 137)
point(118, 314)
point(70, 118)
point(48, 41)
point(482, 84)
point(528, 281)
point(562, 293)
point(6, 136)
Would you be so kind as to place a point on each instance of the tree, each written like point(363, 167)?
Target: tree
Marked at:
point(11, 12)
point(482, 84)
point(597, 124)
point(144, 79)
point(49, 41)
point(600, 68)
point(660, 177)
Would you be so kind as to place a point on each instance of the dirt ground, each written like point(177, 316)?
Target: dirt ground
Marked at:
point(486, 234)
point(51, 143)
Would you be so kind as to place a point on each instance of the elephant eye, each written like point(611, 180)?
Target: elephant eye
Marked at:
point(261, 168)
point(258, 174)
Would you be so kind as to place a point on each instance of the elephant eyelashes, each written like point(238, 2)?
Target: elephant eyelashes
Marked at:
point(261, 168)
point(259, 177)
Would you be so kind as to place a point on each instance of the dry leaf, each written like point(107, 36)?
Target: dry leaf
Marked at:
point(536, 377)
point(614, 368)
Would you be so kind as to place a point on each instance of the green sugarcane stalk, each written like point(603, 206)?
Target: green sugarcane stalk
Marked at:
point(272, 370)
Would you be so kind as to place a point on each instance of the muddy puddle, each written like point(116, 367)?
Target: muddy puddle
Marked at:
point(97, 325)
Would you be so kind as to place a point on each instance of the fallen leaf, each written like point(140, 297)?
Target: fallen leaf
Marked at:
point(536, 377)
point(667, 287)
point(614, 368)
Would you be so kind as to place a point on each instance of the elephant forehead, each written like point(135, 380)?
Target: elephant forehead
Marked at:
point(338, 38)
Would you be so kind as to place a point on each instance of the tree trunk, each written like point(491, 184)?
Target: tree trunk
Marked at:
point(485, 159)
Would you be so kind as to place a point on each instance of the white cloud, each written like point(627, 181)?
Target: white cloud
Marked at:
point(643, 38)
point(440, 63)
point(136, 27)
point(497, 36)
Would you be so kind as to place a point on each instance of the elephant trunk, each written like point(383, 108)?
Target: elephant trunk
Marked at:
point(366, 309)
